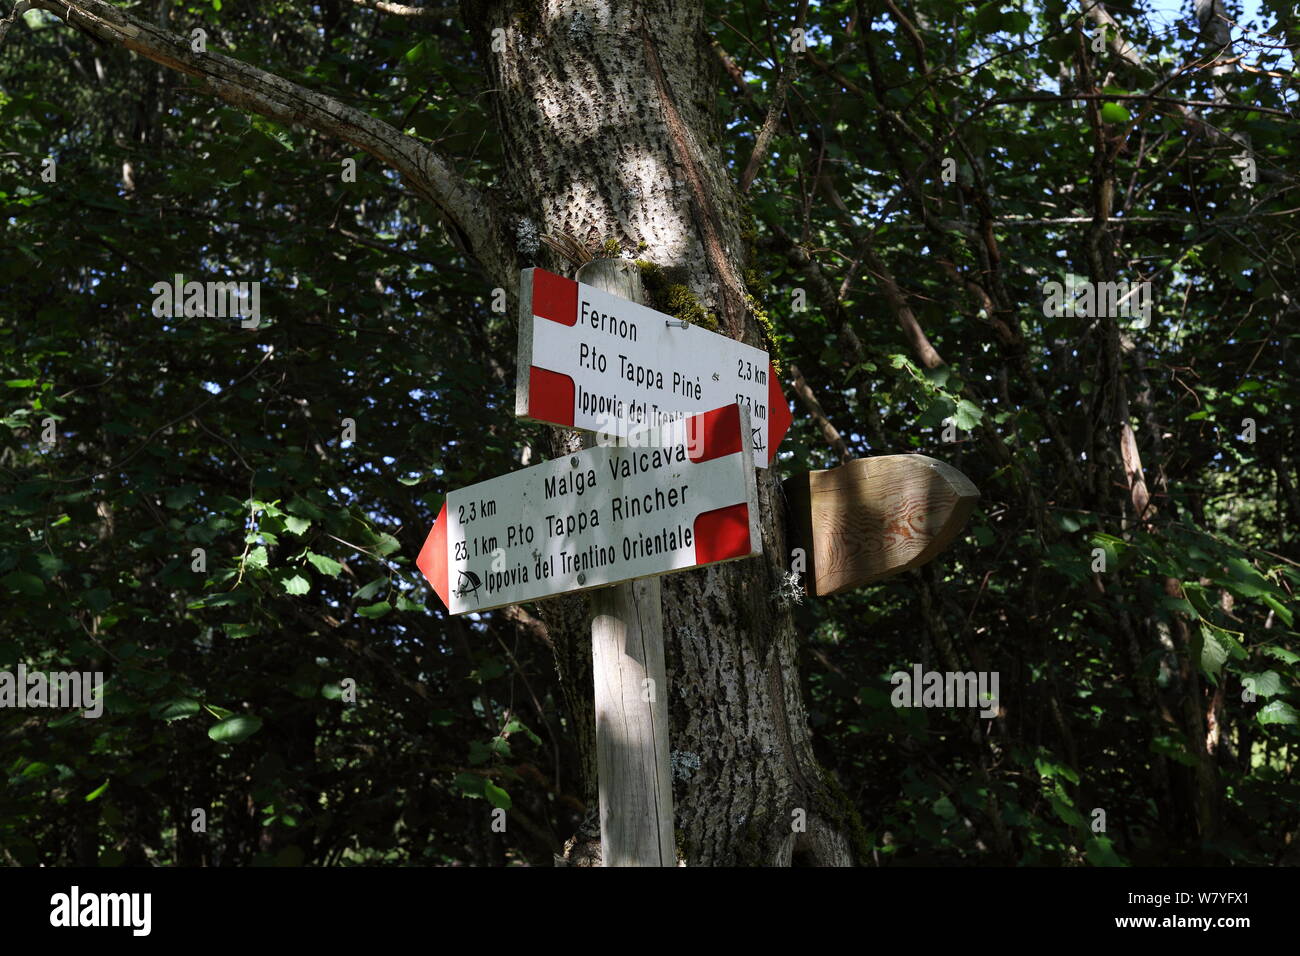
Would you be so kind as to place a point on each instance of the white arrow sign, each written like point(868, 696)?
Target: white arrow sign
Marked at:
point(672, 498)
point(600, 363)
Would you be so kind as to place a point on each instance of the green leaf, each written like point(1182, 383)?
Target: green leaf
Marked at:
point(1114, 113)
point(1067, 813)
point(1213, 652)
point(405, 604)
point(491, 669)
point(234, 729)
point(1280, 653)
point(257, 558)
point(295, 584)
point(273, 131)
point(1279, 608)
point(296, 525)
point(301, 506)
point(939, 376)
point(1101, 852)
point(1016, 22)
point(495, 795)
point(1278, 712)
point(470, 784)
point(370, 590)
point(944, 809)
point(50, 564)
point(1225, 645)
point(324, 565)
point(988, 18)
point(968, 415)
point(479, 753)
point(1245, 574)
point(1267, 684)
point(23, 583)
point(1047, 769)
point(180, 497)
point(176, 709)
point(937, 412)
point(94, 794)
point(269, 507)
point(375, 610)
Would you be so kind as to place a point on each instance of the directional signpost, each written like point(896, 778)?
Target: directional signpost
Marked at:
point(597, 362)
point(687, 415)
point(675, 497)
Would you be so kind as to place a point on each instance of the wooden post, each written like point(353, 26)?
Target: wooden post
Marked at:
point(631, 686)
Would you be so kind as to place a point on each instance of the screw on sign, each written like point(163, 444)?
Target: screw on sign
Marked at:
point(674, 497)
point(597, 362)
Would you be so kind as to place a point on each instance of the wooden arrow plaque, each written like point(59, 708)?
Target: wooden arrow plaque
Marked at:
point(875, 517)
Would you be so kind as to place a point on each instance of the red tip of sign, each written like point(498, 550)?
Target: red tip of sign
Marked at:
point(555, 297)
point(432, 561)
point(722, 534)
point(780, 418)
point(713, 434)
point(550, 396)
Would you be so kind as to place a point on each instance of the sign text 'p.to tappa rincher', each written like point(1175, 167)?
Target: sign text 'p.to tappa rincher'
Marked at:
point(670, 498)
point(597, 362)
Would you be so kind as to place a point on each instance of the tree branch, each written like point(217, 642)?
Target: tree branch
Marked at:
point(467, 210)
point(1098, 14)
point(764, 139)
point(19, 9)
point(405, 10)
point(809, 399)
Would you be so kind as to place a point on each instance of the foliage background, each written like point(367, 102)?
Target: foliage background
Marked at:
point(1122, 690)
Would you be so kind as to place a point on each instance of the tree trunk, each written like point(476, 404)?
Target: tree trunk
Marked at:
point(604, 110)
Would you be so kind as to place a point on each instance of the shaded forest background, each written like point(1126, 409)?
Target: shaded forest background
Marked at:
point(1129, 571)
